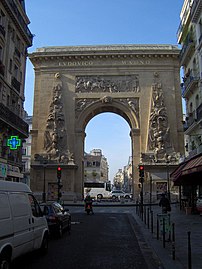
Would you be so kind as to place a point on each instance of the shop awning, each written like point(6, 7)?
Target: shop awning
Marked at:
point(183, 174)
point(193, 166)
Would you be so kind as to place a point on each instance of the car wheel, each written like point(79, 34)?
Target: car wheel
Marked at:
point(114, 197)
point(99, 196)
point(44, 245)
point(4, 262)
point(60, 230)
point(127, 196)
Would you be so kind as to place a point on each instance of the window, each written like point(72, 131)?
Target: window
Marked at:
point(197, 101)
point(36, 211)
point(10, 66)
point(8, 100)
point(15, 71)
point(1, 53)
point(2, 18)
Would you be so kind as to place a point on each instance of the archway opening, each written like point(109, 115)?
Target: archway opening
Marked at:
point(109, 133)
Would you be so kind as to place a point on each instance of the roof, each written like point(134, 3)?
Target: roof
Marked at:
point(13, 186)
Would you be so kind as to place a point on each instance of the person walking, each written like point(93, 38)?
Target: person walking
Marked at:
point(165, 204)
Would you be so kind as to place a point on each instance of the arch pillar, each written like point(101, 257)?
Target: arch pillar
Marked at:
point(79, 159)
point(135, 144)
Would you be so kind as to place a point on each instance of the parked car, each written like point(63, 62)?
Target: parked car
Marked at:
point(23, 228)
point(117, 194)
point(58, 218)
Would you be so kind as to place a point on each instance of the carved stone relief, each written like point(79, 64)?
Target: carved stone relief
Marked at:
point(133, 104)
point(55, 136)
point(159, 131)
point(82, 103)
point(110, 84)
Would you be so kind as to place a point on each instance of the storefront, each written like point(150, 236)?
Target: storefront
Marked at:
point(188, 176)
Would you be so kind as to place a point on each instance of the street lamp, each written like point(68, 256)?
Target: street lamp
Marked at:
point(44, 181)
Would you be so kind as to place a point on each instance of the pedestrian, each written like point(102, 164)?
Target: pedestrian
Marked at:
point(165, 204)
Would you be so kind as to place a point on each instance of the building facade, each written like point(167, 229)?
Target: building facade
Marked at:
point(95, 166)
point(188, 174)
point(15, 38)
point(26, 153)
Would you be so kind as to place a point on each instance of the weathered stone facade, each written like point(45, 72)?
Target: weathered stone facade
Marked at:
point(74, 84)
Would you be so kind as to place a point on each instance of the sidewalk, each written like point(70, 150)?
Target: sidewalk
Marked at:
point(183, 224)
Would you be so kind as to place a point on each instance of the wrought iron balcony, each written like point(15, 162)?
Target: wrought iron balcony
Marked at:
point(10, 118)
point(196, 10)
point(188, 85)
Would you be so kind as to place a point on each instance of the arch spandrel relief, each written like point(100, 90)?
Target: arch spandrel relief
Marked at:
point(125, 83)
point(131, 103)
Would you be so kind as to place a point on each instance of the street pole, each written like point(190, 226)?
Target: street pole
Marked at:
point(150, 194)
point(168, 180)
point(44, 183)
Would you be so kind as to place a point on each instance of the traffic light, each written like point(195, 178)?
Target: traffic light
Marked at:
point(59, 171)
point(141, 173)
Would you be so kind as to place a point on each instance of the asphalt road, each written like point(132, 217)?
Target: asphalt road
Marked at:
point(99, 241)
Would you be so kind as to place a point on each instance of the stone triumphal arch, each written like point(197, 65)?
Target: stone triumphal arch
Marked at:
point(73, 84)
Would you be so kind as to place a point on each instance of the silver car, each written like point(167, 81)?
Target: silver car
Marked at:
point(118, 194)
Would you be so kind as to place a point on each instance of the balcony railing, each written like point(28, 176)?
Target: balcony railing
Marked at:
point(196, 10)
point(193, 117)
point(13, 120)
point(189, 83)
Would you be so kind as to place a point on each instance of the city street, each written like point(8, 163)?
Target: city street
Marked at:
point(102, 240)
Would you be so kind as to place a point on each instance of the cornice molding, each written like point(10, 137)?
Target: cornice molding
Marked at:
point(104, 52)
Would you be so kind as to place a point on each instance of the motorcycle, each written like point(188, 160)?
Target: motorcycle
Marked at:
point(88, 208)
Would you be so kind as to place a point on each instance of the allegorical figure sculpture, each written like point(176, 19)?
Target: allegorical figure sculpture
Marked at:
point(55, 136)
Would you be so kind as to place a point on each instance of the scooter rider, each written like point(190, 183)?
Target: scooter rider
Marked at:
point(89, 201)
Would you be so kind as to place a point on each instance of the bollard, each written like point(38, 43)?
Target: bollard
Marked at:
point(173, 241)
point(157, 229)
point(164, 234)
point(145, 216)
point(148, 220)
point(152, 222)
point(189, 250)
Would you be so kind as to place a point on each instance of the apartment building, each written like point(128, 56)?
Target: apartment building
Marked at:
point(15, 38)
point(26, 152)
point(188, 174)
point(95, 166)
point(190, 37)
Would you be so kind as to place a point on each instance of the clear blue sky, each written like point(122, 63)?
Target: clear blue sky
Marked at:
point(95, 22)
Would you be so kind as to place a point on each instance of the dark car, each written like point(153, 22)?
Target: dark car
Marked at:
point(58, 218)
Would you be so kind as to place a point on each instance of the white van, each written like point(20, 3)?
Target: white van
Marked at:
point(23, 228)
